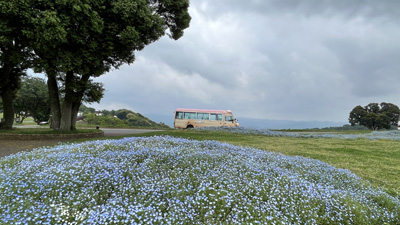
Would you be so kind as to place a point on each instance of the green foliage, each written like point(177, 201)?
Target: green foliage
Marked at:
point(82, 39)
point(33, 100)
point(121, 113)
point(375, 116)
point(85, 110)
point(108, 113)
point(15, 54)
point(122, 118)
point(104, 121)
point(94, 92)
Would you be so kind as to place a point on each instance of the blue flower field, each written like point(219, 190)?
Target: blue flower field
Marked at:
point(374, 135)
point(167, 180)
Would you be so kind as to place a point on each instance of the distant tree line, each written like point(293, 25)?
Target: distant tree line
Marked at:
point(375, 116)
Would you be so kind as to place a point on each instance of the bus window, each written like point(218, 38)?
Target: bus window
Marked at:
point(215, 116)
point(179, 115)
point(228, 118)
point(190, 115)
point(203, 116)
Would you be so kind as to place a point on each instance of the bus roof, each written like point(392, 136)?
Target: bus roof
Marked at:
point(202, 110)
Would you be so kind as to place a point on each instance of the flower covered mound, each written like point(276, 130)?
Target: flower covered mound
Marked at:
point(166, 180)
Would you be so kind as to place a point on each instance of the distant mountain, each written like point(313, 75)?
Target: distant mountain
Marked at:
point(286, 124)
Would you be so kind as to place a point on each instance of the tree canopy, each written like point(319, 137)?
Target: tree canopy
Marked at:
point(375, 116)
point(119, 118)
point(73, 40)
point(15, 55)
point(32, 99)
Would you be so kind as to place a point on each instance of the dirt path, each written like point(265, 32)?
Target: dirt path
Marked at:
point(8, 147)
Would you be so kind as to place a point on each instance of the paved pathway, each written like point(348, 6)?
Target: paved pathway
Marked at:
point(119, 132)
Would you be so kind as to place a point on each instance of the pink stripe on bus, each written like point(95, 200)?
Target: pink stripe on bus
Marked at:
point(201, 110)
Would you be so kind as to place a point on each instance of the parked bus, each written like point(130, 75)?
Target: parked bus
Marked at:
point(191, 118)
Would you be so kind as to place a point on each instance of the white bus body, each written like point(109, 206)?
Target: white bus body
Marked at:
point(191, 118)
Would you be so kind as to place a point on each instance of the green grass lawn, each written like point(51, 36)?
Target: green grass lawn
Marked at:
point(27, 121)
point(377, 161)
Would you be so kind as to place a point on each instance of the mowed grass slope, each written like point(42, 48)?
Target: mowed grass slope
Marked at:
point(377, 161)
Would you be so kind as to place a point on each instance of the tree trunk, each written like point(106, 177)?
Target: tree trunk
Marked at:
point(8, 108)
point(54, 101)
point(82, 84)
point(66, 115)
point(68, 102)
point(6, 93)
point(74, 114)
point(64, 118)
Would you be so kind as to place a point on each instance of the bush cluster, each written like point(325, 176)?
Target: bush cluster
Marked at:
point(130, 119)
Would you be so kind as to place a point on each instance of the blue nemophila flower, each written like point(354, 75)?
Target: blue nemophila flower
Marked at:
point(391, 134)
point(166, 180)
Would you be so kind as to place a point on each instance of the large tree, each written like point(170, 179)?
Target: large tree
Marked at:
point(76, 40)
point(14, 54)
point(375, 116)
point(357, 115)
point(392, 112)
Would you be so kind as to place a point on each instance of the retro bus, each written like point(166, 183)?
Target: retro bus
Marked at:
point(191, 118)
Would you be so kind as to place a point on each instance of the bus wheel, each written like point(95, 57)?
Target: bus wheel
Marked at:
point(189, 127)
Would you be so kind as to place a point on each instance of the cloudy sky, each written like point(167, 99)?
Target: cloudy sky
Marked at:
point(268, 59)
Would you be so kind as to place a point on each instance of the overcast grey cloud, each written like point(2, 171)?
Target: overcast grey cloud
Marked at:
point(268, 59)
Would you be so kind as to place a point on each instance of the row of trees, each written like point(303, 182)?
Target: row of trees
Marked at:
point(375, 116)
point(75, 41)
